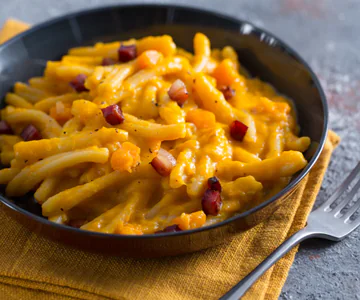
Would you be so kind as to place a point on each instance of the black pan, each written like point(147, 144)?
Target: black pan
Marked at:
point(260, 52)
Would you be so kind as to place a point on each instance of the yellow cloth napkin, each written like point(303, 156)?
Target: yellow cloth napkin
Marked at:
point(11, 28)
point(33, 267)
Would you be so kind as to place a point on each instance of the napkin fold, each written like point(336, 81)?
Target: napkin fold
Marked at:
point(34, 267)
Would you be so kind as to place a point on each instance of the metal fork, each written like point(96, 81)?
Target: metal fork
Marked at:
point(326, 222)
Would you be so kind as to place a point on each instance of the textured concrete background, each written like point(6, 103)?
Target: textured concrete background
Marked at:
point(326, 34)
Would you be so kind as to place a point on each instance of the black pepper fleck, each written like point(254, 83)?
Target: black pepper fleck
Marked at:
point(150, 150)
point(97, 129)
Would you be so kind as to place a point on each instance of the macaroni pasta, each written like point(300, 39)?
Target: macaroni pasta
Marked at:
point(141, 136)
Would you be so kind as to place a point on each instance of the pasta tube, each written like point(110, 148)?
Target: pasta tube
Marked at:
point(287, 164)
point(35, 150)
point(153, 131)
point(47, 125)
point(34, 174)
point(70, 198)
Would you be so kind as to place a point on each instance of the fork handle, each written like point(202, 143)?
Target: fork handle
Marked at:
point(240, 288)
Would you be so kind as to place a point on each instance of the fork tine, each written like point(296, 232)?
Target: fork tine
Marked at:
point(342, 187)
point(352, 210)
point(348, 198)
point(356, 223)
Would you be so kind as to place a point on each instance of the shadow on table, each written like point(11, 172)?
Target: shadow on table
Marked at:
point(316, 244)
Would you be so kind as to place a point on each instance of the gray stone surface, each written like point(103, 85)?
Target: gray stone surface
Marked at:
point(326, 34)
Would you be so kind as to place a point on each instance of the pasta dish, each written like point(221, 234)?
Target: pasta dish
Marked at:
point(141, 136)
